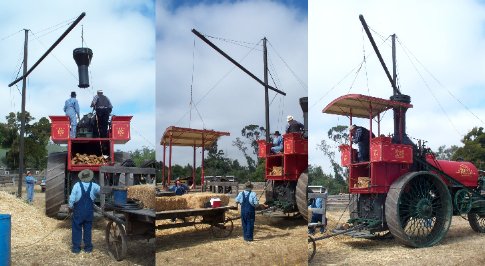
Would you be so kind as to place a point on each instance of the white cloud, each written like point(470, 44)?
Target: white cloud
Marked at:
point(121, 35)
point(238, 100)
point(446, 36)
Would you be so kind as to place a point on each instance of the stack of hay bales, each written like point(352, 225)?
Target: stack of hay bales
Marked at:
point(277, 170)
point(188, 201)
point(143, 193)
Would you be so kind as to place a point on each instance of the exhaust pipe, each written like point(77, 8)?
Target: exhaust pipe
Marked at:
point(304, 108)
point(83, 57)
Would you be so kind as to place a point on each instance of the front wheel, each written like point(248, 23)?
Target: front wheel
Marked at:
point(477, 222)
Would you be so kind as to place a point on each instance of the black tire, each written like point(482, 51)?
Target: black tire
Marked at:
point(477, 222)
point(302, 195)
point(419, 209)
point(55, 183)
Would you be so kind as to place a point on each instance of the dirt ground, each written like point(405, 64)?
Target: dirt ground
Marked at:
point(461, 246)
point(277, 241)
point(39, 240)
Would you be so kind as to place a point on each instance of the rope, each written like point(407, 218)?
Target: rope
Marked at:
point(439, 83)
point(303, 85)
point(10, 35)
point(431, 92)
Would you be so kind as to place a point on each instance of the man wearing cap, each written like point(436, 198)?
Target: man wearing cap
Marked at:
point(294, 126)
point(81, 203)
point(360, 136)
point(277, 145)
point(30, 181)
point(103, 108)
point(71, 108)
point(249, 202)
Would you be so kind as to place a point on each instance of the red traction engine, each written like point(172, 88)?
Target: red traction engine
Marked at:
point(285, 175)
point(62, 171)
point(403, 188)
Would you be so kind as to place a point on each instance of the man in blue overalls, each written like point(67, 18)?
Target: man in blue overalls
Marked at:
point(249, 202)
point(30, 181)
point(81, 203)
point(179, 188)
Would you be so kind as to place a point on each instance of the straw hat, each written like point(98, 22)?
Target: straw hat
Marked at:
point(248, 185)
point(86, 175)
point(289, 118)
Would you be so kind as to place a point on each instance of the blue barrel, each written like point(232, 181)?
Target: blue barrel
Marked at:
point(120, 196)
point(5, 227)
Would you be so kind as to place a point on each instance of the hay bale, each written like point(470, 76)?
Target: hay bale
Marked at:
point(143, 193)
point(170, 203)
point(277, 170)
point(363, 182)
point(199, 200)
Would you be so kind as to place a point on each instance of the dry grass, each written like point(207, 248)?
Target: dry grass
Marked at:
point(39, 240)
point(143, 193)
point(277, 241)
point(461, 246)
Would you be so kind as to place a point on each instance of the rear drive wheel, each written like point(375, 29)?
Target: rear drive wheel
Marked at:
point(418, 209)
point(55, 194)
point(302, 195)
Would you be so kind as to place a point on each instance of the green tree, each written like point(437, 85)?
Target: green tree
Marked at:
point(36, 139)
point(249, 146)
point(140, 156)
point(473, 149)
point(446, 153)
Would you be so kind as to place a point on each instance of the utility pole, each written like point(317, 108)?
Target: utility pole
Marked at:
point(266, 92)
point(394, 74)
point(22, 117)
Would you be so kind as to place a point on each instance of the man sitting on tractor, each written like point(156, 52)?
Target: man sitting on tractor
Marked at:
point(360, 136)
point(277, 145)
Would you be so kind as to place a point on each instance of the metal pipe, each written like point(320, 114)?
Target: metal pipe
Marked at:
point(371, 39)
point(74, 24)
point(198, 34)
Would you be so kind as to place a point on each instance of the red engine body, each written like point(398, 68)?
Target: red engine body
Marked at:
point(119, 133)
point(464, 172)
point(288, 165)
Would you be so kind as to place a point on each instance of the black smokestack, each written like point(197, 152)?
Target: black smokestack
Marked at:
point(304, 108)
point(83, 57)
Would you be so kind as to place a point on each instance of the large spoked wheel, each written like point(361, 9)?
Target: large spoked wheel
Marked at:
point(477, 222)
point(199, 224)
point(222, 230)
point(116, 240)
point(418, 209)
point(312, 248)
point(302, 195)
point(55, 183)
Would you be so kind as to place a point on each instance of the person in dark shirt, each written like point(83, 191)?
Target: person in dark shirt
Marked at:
point(103, 108)
point(294, 126)
point(360, 136)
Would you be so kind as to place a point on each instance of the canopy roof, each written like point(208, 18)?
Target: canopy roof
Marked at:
point(189, 137)
point(357, 105)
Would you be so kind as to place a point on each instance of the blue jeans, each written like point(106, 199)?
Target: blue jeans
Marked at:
point(81, 230)
point(248, 227)
point(315, 219)
point(30, 192)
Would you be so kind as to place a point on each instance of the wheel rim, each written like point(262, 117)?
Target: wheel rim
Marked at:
point(418, 209)
point(222, 230)
point(116, 240)
point(463, 201)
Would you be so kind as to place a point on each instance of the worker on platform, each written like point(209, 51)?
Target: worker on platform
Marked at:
point(318, 218)
point(360, 136)
point(81, 203)
point(179, 188)
point(103, 108)
point(249, 202)
point(30, 183)
point(294, 126)
point(277, 144)
point(71, 108)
